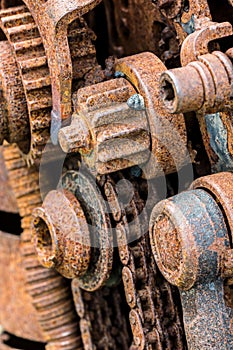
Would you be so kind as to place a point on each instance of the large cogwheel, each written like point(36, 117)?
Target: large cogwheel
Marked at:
point(26, 45)
point(50, 293)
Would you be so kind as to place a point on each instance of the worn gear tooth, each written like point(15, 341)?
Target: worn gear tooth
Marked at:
point(43, 301)
point(66, 330)
point(58, 321)
point(33, 63)
point(40, 120)
point(27, 191)
point(30, 262)
point(23, 46)
point(39, 99)
point(14, 164)
point(39, 282)
point(20, 172)
point(29, 199)
point(22, 32)
point(69, 343)
point(14, 125)
point(28, 186)
point(35, 289)
point(26, 236)
point(39, 274)
point(43, 102)
point(34, 71)
point(37, 83)
point(55, 310)
point(28, 249)
point(12, 11)
point(18, 19)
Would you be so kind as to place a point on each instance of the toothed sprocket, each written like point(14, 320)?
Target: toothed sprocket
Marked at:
point(27, 48)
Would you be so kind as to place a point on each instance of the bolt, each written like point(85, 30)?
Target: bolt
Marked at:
point(119, 74)
point(174, 229)
point(136, 102)
point(136, 171)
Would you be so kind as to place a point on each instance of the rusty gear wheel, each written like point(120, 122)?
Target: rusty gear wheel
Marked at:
point(50, 292)
point(27, 48)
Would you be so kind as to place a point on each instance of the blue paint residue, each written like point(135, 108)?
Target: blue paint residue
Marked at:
point(218, 141)
point(189, 27)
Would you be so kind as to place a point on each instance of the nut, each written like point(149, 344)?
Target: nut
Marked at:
point(61, 234)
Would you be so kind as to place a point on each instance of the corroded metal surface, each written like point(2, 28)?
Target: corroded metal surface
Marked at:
point(93, 227)
point(152, 301)
point(210, 83)
point(82, 246)
point(135, 26)
point(208, 92)
point(115, 135)
point(191, 245)
point(17, 314)
point(199, 42)
point(144, 287)
point(27, 46)
point(62, 244)
point(53, 19)
point(8, 200)
point(106, 131)
point(103, 321)
point(209, 89)
point(14, 123)
point(144, 71)
point(49, 292)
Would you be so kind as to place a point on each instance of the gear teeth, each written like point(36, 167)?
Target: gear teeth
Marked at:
point(18, 19)
point(33, 63)
point(24, 37)
point(35, 289)
point(39, 120)
point(39, 274)
point(23, 34)
point(22, 46)
point(54, 309)
point(50, 293)
point(38, 100)
point(43, 300)
point(66, 344)
point(30, 262)
point(57, 322)
point(13, 11)
point(37, 83)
